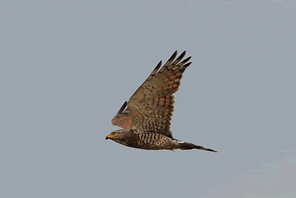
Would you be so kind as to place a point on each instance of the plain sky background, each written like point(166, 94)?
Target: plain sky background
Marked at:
point(67, 66)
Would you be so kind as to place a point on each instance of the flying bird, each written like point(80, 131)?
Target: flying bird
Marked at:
point(146, 118)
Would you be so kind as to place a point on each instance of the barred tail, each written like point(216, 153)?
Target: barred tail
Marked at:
point(187, 146)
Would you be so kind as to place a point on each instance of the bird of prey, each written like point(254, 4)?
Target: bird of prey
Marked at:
point(146, 118)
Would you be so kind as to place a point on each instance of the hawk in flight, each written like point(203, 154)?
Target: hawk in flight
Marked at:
point(146, 118)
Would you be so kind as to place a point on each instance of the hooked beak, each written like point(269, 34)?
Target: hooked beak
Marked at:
point(108, 137)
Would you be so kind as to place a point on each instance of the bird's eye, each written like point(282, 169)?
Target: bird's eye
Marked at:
point(115, 134)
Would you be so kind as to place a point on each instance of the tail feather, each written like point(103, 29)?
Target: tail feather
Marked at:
point(187, 146)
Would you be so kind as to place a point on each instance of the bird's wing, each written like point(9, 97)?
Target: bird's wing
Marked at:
point(152, 105)
point(123, 118)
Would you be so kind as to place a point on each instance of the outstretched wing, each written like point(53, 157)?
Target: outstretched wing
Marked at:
point(152, 105)
point(123, 118)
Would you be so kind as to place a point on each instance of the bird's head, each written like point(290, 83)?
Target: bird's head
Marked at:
point(116, 135)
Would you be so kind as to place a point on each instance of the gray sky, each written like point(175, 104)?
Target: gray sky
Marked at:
point(67, 66)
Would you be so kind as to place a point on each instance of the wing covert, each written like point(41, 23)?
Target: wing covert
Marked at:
point(123, 117)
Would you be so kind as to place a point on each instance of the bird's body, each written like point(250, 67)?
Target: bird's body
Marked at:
point(147, 140)
point(146, 118)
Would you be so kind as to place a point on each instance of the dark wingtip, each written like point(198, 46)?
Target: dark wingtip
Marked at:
point(158, 65)
point(186, 60)
point(187, 64)
point(122, 108)
point(183, 53)
point(173, 56)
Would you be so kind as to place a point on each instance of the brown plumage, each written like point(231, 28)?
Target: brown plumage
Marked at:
point(146, 118)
